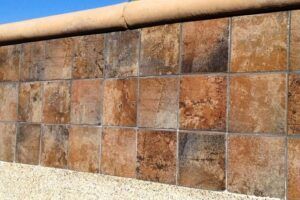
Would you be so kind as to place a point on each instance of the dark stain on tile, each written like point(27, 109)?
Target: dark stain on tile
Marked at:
point(9, 62)
point(8, 102)
point(7, 141)
point(294, 104)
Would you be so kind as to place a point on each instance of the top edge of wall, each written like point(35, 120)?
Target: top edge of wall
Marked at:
point(134, 15)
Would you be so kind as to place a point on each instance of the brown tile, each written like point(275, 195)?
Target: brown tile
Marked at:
point(33, 51)
point(84, 148)
point(295, 40)
point(30, 102)
point(7, 141)
point(259, 42)
point(156, 156)
point(203, 103)
point(158, 102)
point(205, 46)
point(9, 62)
point(56, 103)
point(28, 144)
point(257, 103)
point(256, 165)
point(86, 102)
point(60, 48)
point(160, 50)
point(118, 152)
point(294, 104)
point(122, 53)
point(119, 103)
point(57, 68)
point(202, 160)
point(293, 186)
point(54, 146)
point(8, 102)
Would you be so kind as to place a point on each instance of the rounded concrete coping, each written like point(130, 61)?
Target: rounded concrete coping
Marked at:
point(131, 15)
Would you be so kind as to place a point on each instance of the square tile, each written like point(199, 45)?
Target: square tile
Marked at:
point(294, 104)
point(7, 141)
point(156, 156)
point(256, 165)
point(205, 46)
point(8, 102)
point(119, 103)
point(84, 146)
point(160, 50)
point(86, 101)
point(122, 53)
point(59, 48)
point(257, 103)
point(54, 146)
point(202, 102)
point(118, 152)
point(158, 102)
point(202, 160)
point(295, 40)
point(293, 184)
point(259, 42)
point(28, 144)
point(9, 62)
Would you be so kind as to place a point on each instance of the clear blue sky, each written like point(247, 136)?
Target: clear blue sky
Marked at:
point(17, 10)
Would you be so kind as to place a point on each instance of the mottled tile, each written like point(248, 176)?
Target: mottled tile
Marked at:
point(293, 185)
point(256, 165)
point(30, 102)
point(122, 53)
point(60, 48)
point(84, 144)
point(203, 102)
point(9, 62)
point(205, 46)
point(118, 152)
point(259, 42)
point(295, 40)
point(28, 144)
point(294, 104)
point(57, 68)
point(156, 156)
point(160, 50)
point(33, 51)
point(202, 160)
point(7, 141)
point(54, 146)
point(8, 102)
point(56, 101)
point(257, 103)
point(119, 103)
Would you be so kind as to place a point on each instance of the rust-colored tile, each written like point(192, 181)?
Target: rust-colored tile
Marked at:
point(84, 148)
point(156, 156)
point(86, 102)
point(202, 160)
point(57, 68)
point(259, 42)
point(33, 51)
point(122, 53)
point(256, 165)
point(30, 102)
point(205, 46)
point(28, 144)
point(54, 146)
point(60, 48)
point(294, 104)
point(257, 103)
point(56, 102)
point(203, 103)
point(158, 103)
point(160, 50)
point(9, 62)
point(295, 40)
point(119, 103)
point(118, 152)
point(293, 186)
point(8, 101)
point(7, 141)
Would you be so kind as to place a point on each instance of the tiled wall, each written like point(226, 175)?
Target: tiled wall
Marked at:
point(211, 104)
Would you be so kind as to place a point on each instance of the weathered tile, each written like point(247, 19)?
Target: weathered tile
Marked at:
point(56, 101)
point(7, 141)
point(57, 68)
point(295, 40)
point(118, 152)
point(259, 42)
point(86, 101)
point(160, 50)
point(84, 144)
point(293, 184)
point(158, 102)
point(28, 144)
point(30, 102)
point(205, 46)
point(257, 103)
point(119, 103)
point(33, 51)
point(122, 53)
point(256, 165)
point(202, 160)
point(60, 48)
point(294, 104)
point(156, 156)
point(8, 102)
point(54, 146)
point(9, 62)
point(203, 103)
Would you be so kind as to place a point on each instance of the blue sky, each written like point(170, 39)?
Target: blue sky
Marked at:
point(17, 10)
